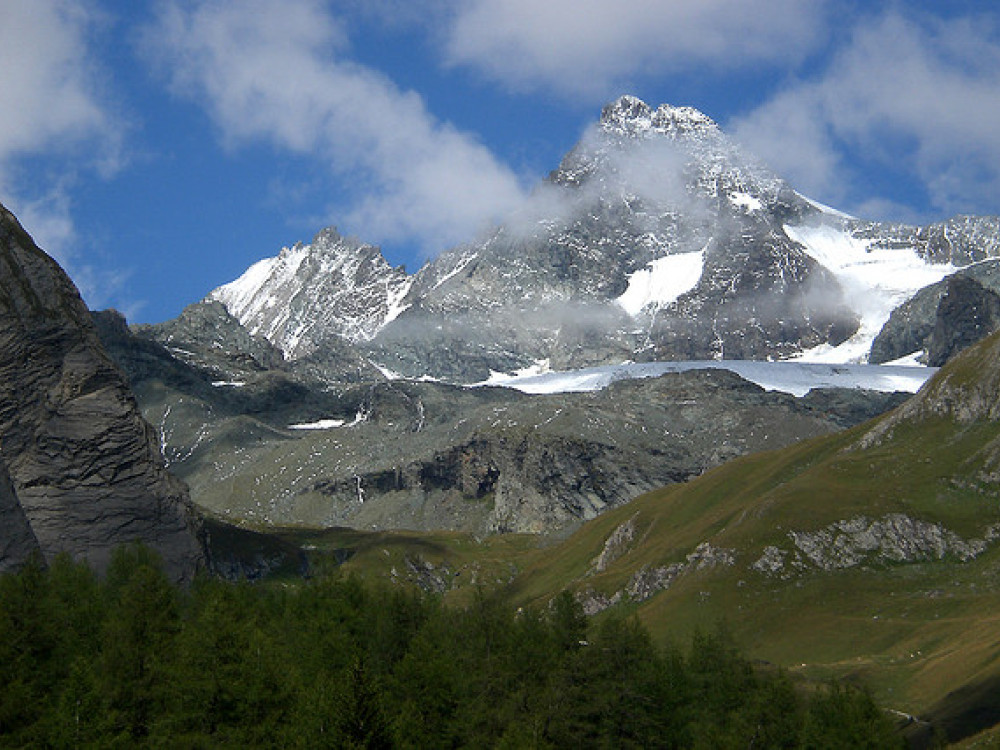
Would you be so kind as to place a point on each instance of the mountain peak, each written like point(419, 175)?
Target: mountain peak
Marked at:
point(331, 238)
point(630, 115)
point(626, 112)
point(335, 283)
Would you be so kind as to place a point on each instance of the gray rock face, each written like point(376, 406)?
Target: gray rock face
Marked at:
point(431, 456)
point(17, 540)
point(909, 326)
point(85, 466)
point(759, 296)
point(206, 335)
point(893, 539)
point(960, 241)
point(967, 313)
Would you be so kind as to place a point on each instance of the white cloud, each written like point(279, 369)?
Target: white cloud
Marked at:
point(279, 73)
point(919, 98)
point(51, 104)
point(47, 95)
point(589, 47)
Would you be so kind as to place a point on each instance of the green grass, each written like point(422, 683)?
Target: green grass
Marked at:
point(911, 632)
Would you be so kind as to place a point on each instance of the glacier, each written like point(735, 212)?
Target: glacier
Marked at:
point(796, 378)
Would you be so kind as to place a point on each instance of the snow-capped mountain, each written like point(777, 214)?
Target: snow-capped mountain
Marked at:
point(656, 238)
point(334, 286)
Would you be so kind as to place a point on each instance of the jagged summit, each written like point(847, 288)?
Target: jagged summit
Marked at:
point(632, 116)
point(668, 152)
point(333, 286)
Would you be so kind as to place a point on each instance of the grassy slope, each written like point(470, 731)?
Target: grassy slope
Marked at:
point(912, 632)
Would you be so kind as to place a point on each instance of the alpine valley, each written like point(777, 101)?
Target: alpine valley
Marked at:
point(669, 384)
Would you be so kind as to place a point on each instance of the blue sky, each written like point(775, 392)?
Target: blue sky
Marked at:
point(158, 149)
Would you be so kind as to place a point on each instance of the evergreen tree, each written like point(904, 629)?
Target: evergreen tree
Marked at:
point(359, 721)
point(138, 635)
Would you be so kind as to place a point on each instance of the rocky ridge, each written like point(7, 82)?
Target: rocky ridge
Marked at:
point(426, 455)
point(657, 237)
point(333, 287)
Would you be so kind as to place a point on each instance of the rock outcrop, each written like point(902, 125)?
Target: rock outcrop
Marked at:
point(967, 313)
point(85, 466)
point(891, 540)
point(928, 322)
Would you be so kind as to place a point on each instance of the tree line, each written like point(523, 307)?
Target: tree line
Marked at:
point(132, 660)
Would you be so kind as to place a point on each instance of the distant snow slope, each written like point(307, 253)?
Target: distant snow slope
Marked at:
point(875, 279)
point(797, 378)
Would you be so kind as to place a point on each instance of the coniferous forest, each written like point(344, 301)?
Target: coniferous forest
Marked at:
point(132, 660)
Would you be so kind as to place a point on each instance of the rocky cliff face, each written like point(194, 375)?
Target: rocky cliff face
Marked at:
point(85, 466)
point(17, 540)
point(967, 313)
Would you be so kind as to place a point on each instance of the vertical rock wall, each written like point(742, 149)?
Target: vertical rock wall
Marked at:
point(85, 467)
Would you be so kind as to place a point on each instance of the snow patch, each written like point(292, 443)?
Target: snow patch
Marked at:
point(334, 284)
point(320, 424)
point(228, 383)
point(662, 282)
point(746, 201)
point(242, 297)
point(464, 261)
point(825, 208)
point(386, 372)
point(394, 302)
point(910, 360)
point(539, 367)
point(330, 424)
